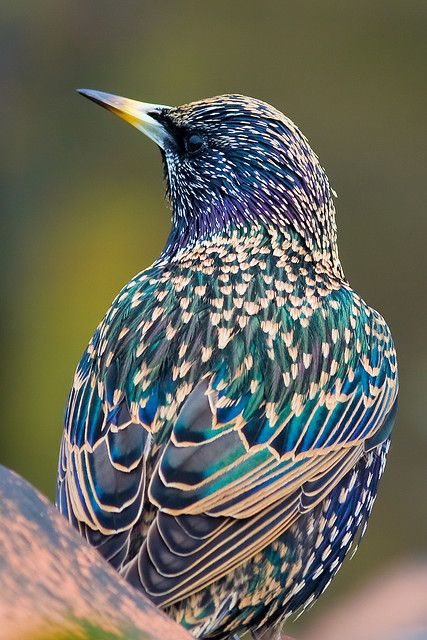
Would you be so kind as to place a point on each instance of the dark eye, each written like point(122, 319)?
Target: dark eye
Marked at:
point(194, 142)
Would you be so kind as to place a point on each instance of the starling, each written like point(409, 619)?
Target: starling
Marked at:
point(230, 419)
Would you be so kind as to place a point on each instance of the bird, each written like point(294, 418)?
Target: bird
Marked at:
point(230, 419)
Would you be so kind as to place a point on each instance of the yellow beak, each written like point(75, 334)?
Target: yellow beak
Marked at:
point(141, 115)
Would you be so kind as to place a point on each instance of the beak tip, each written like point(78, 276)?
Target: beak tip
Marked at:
point(87, 93)
point(99, 97)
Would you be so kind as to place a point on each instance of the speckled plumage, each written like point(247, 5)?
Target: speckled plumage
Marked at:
point(230, 419)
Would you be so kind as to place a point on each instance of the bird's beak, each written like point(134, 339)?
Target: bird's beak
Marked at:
point(139, 114)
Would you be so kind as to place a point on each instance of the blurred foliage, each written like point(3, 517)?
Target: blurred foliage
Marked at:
point(82, 194)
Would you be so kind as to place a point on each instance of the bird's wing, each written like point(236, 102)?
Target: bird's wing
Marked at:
point(101, 471)
point(237, 471)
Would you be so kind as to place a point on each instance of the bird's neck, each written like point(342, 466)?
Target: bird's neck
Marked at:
point(320, 246)
point(183, 242)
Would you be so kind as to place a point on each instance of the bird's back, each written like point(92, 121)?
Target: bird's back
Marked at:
point(227, 428)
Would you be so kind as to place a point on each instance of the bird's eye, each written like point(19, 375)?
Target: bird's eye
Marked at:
point(194, 142)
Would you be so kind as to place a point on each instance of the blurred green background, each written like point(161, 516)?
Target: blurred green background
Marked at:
point(82, 195)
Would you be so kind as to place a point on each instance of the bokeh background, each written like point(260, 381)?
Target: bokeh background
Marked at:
point(83, 207)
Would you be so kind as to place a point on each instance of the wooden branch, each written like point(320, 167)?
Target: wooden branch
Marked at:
point(54, 585)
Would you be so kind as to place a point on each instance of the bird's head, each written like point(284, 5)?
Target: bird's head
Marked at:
point(234, 162)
